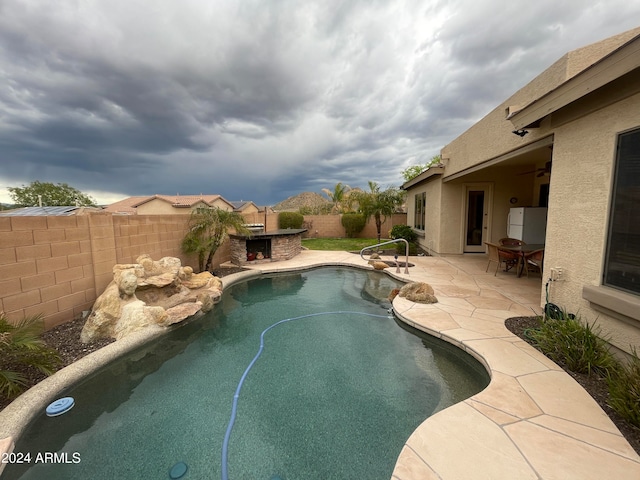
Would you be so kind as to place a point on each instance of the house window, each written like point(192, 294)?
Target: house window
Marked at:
point(622, 264)
point(421, 201)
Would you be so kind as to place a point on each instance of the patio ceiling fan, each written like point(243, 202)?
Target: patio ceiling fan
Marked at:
point(546, 170)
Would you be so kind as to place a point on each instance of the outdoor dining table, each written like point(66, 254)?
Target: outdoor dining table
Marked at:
point(522, 250)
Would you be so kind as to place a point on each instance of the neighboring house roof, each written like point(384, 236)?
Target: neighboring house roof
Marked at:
point(48, 211)
point(128, 205)
point(182, 201)
point(125, 206)
point(241, 205)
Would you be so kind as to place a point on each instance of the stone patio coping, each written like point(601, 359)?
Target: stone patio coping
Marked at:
point(532, 421)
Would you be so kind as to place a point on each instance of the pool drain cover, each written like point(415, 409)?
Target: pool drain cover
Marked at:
point(178, 470)
point(60, 406)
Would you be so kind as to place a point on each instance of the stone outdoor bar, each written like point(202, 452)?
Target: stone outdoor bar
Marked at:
point(274, 246)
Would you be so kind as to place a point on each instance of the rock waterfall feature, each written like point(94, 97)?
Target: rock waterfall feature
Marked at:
point(147, 294)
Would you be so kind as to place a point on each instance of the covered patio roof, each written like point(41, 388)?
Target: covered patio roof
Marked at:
point(528, 156)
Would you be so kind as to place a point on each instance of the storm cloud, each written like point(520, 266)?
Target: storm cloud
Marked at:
point(261, 100)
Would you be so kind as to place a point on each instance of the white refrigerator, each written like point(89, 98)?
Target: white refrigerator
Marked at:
point(528, 224)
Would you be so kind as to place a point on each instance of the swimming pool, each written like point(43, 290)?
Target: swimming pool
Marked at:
point(332, 396)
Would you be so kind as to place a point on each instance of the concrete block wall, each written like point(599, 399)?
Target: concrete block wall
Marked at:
point(330, 226)
point(57, 266)
point(157, 235)
point(270, 221)
point(46, 267)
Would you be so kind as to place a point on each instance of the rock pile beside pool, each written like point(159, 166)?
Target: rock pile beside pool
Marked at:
point(150, 293)
point(418, 292)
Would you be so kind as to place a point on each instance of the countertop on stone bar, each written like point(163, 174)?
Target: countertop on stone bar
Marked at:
point(274, 233)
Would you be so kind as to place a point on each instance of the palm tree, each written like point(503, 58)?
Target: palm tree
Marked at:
point(378, 204)
point(208, 229)
point(21, 350)
point(338, 196)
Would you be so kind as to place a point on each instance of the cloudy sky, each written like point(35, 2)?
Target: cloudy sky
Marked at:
point(261, 100)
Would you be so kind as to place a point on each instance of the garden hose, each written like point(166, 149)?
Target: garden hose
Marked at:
point(551, 310)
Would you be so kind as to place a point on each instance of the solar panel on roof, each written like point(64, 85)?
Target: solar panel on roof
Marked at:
point(40, 211)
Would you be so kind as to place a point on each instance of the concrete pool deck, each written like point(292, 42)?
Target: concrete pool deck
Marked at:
point(533, 421)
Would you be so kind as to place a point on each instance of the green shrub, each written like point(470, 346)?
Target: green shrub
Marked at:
point(575, 345)
point(624, 390)
point(21, 349)
point(290, 220)
point(353, 223)
point(578, 347)
point(406, 232)
point(403, 231)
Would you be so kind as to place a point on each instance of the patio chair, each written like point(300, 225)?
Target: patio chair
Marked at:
point(499, 256)
point(533, 260)
point(514, 242)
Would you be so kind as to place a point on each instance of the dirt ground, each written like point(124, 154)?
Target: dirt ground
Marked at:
point(66, 339)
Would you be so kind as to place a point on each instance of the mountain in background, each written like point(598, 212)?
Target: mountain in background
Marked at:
point(311, 200)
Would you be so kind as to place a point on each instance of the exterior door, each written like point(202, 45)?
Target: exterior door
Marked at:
point(476, 230)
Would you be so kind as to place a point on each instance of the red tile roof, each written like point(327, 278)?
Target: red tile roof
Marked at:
point(128, 205)
point(182, 200)
point(125, 206)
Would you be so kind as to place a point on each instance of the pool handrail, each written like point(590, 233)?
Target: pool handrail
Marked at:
point(397, 240)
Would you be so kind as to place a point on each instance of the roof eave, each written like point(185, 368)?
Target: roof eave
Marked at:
point(611, 67)
point(428, 173)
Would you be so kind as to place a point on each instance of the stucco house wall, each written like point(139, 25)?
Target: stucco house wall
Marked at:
point(162, 207)
point(249, 209)
point(573, 121)
point(451, 218)
point(579, 202)
point(429, 238)
point(492, 137)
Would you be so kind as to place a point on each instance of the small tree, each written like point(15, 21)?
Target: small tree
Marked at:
point(413, 171)
point(49, 195)
point(378, 204)
point(338, 196)
point(208, 230)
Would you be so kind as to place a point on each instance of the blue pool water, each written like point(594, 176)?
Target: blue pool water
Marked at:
point(333, 396)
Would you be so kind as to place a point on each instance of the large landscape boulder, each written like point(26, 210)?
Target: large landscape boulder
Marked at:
point(418, 292)
point(150, 293)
